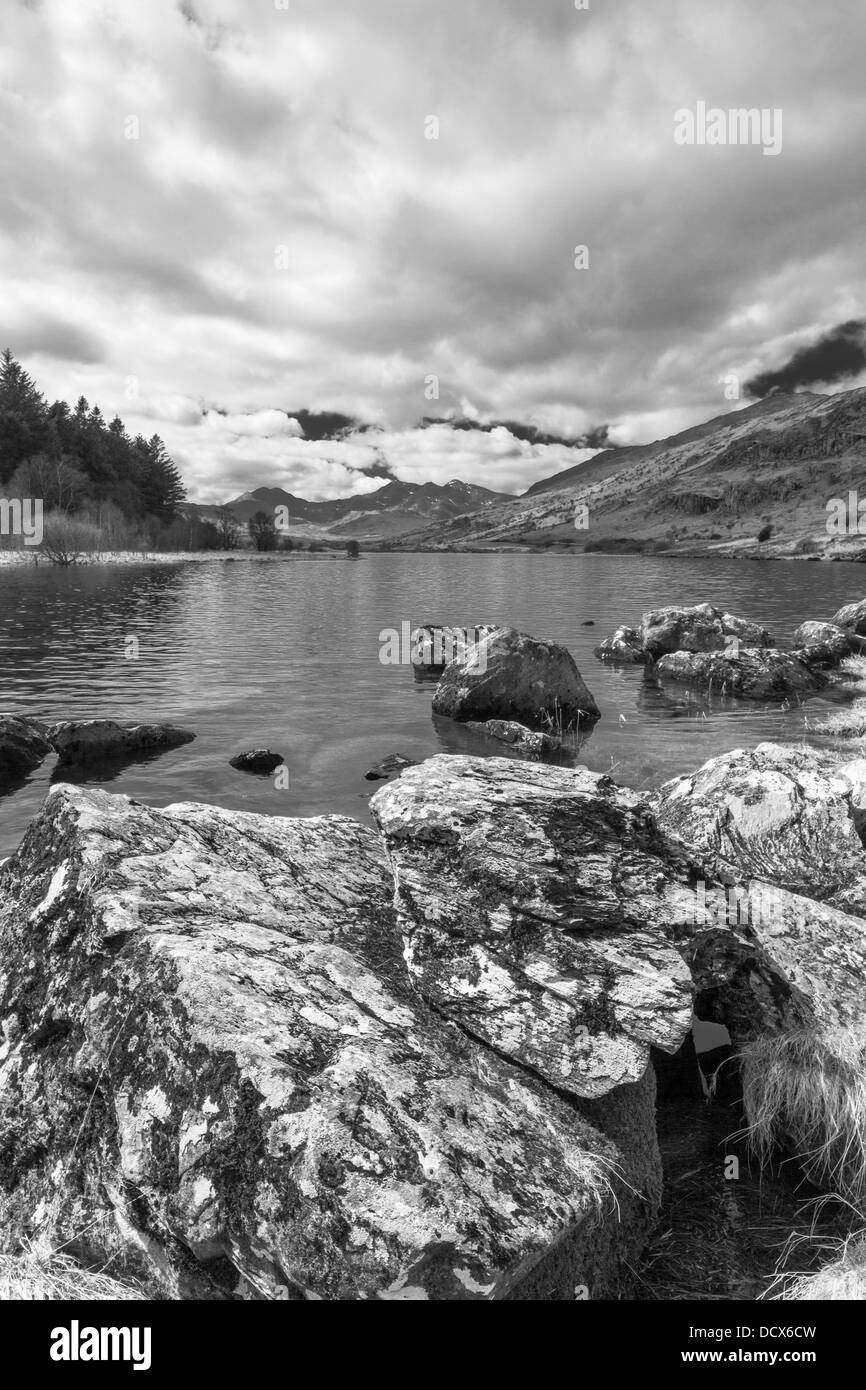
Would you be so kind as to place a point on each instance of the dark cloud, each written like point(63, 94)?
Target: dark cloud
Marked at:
point(596, 438)
point(48, 337)
point(837, 356)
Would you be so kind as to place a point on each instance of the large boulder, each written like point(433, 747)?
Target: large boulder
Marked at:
point(512, 676)
point(771, 922)
point(751, 674)
point(215, 1073)
point(23, 745)
point(775, 813)
point(532, 903)
point(94, 740)
point(702, 628)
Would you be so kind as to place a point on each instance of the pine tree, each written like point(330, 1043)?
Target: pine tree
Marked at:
point(24, 428)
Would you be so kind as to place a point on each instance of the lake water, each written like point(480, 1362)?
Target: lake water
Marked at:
point(285, 654)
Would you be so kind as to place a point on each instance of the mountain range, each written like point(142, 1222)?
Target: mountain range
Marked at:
point(768, 470)
point(391, 511)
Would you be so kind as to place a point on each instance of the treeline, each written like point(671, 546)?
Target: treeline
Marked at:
point(127, 491)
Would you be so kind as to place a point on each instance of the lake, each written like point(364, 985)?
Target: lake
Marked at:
point(285, 654)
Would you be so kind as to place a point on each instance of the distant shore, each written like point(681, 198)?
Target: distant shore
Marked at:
point(167, 557)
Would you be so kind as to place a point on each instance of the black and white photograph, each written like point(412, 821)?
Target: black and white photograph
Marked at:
point(432, 670)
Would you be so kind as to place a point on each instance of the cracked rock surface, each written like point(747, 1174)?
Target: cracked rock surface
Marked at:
point(532, 902)
point(214, 1069)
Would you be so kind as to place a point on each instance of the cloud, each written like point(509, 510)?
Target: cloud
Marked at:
point(239, 207)
point(838, 355)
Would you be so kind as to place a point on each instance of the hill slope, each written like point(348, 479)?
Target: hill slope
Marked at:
point(709, 489)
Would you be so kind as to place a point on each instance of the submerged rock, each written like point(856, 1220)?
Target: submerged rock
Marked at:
point(395, 762)
point(260, 760)
point(518, 736)
point(533, 909)
point(511, 676)
point(753, 674)
point(216, 1074)
point(23, 745)
point(89, 740)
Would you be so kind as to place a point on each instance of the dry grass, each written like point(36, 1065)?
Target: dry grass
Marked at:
point(845, 723)
point(44, 1275)
point(806, 1092)
point(843, 1279)
point(852, 669)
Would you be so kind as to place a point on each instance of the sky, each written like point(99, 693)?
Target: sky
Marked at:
point(217, 212)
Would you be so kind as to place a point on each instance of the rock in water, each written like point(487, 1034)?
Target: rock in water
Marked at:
point(852, 616)
point(260, 760)
point(525, 740)
point(753, 674)
point(511, 676)
point(434, 645)
point(624, 646)
point(395, 762)
point(92, 740)
point(216, 1074)
point(23, 745)
point(829, 635)
point(532, 902)
point(699, 629)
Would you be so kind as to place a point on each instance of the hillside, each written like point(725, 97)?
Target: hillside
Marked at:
point(709, 490)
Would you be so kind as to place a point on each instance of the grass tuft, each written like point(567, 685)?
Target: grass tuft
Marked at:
point(806, 1092)
point(845, 723)
point(843, 1279)
point(44, 1275)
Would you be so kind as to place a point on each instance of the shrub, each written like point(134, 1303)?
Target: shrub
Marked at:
point(66, 540)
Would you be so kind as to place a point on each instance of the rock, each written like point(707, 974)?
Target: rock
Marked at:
point(395, 762)
point(768, 925)
point(835, 639)
point(780, 963)
point(753, 674)
point(699, 629)
point(434, 645)
point(518, 736)
point(590, 622)
point(624, 646)
point(774, 813)
point(90, 740)
point(511, 676)
point(852, 616)
point(532, 904)
point(260, 760)
point(216, 1075)
point(23, 745)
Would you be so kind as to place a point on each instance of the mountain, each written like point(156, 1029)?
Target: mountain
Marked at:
point(390, 511)
point(710, 489)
